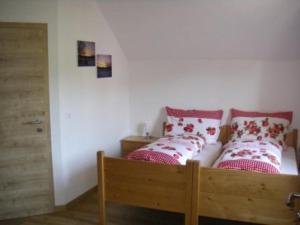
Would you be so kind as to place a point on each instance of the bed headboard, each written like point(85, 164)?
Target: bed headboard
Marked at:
point(291, 138)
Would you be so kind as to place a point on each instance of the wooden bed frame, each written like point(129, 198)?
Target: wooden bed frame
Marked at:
point(197, 191)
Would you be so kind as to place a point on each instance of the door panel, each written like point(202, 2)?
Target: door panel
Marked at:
point(26, 186)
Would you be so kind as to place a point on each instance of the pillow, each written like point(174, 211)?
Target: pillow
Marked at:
point(260, 126)
point(197, 122)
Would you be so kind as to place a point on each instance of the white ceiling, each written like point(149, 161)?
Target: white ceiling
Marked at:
point(211, 29)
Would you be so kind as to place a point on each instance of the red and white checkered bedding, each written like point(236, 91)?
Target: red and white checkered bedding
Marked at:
point(170, 150)
point(256, 156)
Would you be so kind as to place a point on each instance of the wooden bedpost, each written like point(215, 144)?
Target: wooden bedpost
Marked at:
point(224, 134)
point(192, 175)
point(295, 131)
point(196, 192)
point(291, 139)
point(101, 187)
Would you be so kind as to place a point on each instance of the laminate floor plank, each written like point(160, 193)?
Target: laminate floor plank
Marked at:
point(85, 212)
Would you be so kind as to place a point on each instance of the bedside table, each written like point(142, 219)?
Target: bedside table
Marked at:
point(132, 143)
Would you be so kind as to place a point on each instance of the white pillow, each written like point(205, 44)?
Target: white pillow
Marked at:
point(198, 122)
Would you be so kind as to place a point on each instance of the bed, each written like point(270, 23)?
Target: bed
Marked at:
point(153, 185)
point(250, 196)
point(246, 196)
point(196, 190)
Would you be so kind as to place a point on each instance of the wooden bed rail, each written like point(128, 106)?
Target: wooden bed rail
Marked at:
point(246, 196)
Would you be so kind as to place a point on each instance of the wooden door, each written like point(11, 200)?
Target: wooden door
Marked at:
point(26, 186)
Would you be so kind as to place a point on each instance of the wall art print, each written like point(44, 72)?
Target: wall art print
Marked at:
point(86, 53)
point(104, 66)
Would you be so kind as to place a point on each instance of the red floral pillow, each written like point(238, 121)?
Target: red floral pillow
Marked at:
point(260, 126)
point(198, 122)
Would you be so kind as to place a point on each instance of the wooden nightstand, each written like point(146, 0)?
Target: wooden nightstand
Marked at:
point(132, 143)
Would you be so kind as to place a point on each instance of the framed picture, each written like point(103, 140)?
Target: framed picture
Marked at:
point(104, 66)
point(86, 53)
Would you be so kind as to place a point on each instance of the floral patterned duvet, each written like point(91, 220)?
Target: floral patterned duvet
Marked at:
point(257, 156)
point(170, 150)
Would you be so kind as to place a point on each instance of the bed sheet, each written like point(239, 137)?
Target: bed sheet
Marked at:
point(209, 154)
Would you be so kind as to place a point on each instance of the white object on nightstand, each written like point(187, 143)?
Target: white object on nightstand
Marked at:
point(145, 130)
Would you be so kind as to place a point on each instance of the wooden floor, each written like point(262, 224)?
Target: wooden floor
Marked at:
point(85, 212)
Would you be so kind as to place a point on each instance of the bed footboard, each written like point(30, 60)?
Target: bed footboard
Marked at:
point(143, 184)
point(245, 196)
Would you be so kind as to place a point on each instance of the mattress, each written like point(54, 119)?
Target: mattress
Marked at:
point(288, 163)
point(209, 154)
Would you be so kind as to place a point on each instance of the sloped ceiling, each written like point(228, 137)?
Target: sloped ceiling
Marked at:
point(210, 29)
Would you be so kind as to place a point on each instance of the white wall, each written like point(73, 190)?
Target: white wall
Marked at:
point(94, 113)
point(87, 114)
point(211, 84)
